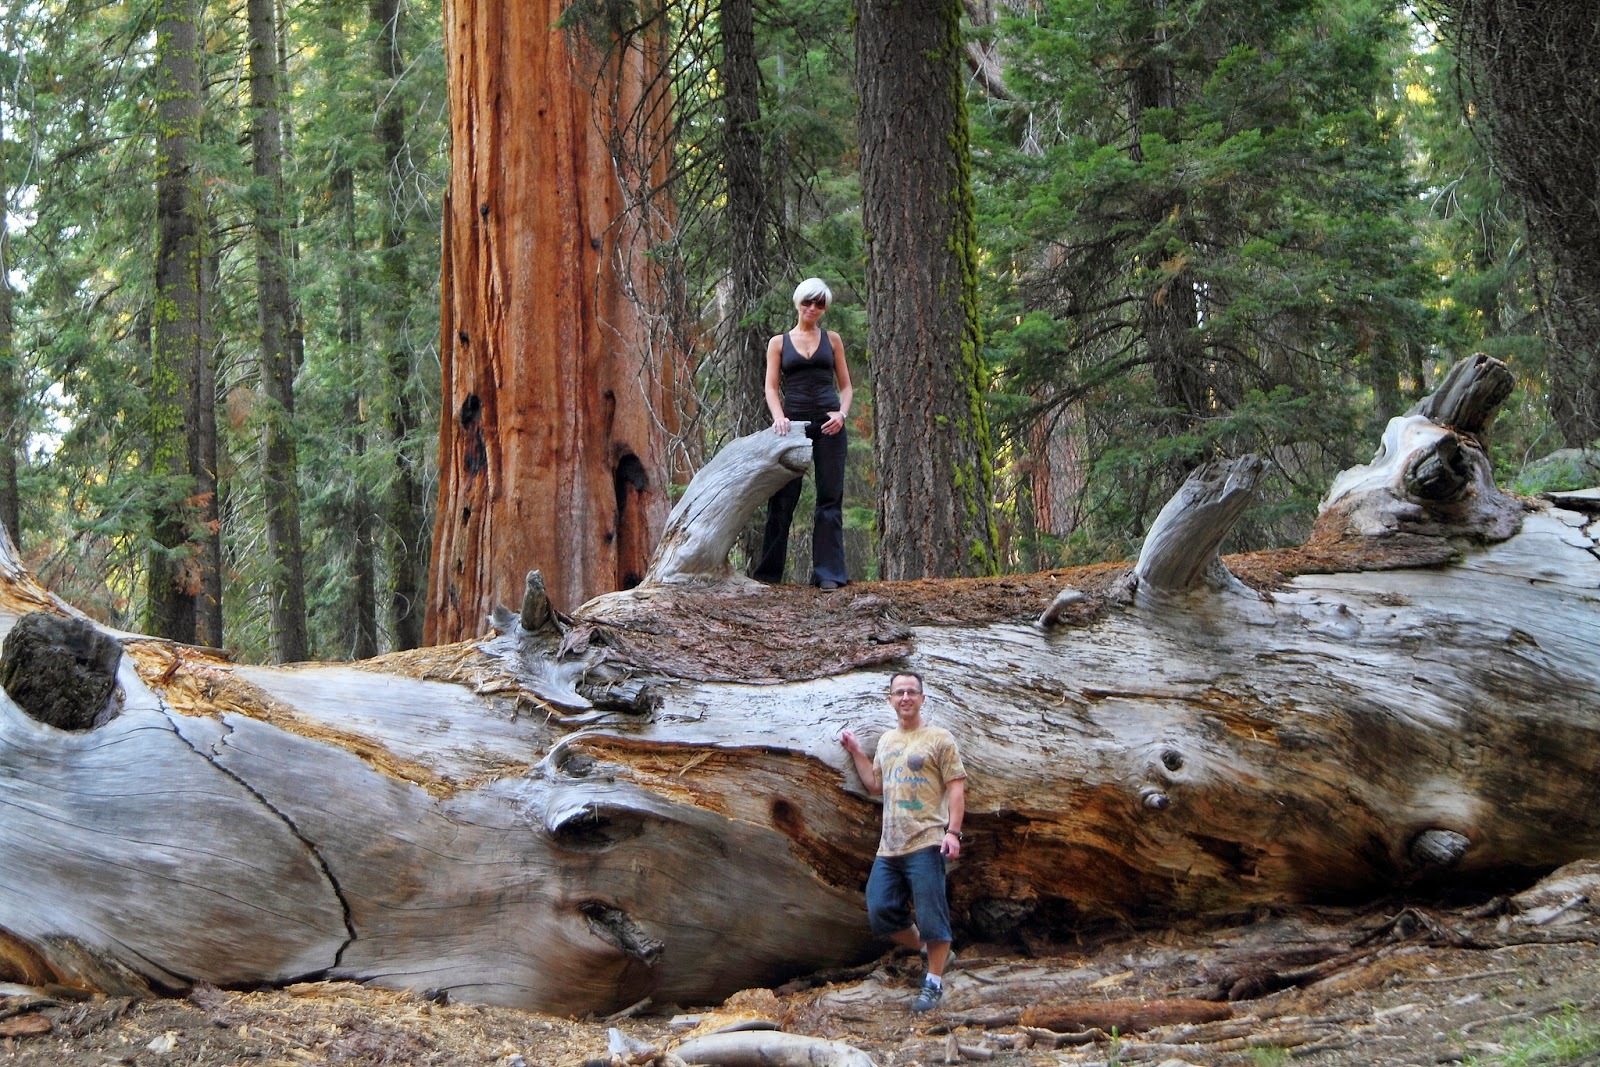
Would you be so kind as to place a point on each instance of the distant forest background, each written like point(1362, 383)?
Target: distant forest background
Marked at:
point(1203, 227)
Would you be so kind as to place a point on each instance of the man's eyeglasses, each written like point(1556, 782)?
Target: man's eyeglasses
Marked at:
point(905, 692)
point(814, 302)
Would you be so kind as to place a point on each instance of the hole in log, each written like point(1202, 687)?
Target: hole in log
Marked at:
point(1000, 918)
point(594, 830)
point(786, 817)
point(1172, 760)
point(630, 471)
point(61, 671)
point(477, 457)
point(1239, 858)
point(577, 764)
point(630, 480)
point(20, 964)
point(617, 927)
point(471, 408)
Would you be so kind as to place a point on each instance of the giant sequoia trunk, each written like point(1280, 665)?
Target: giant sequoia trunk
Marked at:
point(649, 798)
point(551, 445)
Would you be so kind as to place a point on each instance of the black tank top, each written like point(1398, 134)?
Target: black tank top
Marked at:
point(808, 384)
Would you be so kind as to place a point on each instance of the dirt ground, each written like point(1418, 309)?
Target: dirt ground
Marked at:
point(1388, 984)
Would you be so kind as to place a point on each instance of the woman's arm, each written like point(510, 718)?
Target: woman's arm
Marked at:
point(780, 421)
point(841, 374)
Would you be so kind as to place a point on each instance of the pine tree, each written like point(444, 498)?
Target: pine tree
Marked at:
point(931, 446)
point(1210, 250)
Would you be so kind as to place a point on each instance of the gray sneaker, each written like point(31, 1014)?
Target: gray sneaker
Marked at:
point(928, 997)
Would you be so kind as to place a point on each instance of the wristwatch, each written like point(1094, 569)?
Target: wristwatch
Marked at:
point(956, 832)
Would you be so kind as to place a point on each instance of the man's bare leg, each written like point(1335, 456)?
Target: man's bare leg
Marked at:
point(910, 938)
point(938, 956)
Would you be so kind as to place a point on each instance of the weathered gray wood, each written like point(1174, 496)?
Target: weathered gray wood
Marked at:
point(537, 820)
point(706, 522)
point(1180, 550)
point(1470, 394)
point(1433, 477)
point(770, 1049)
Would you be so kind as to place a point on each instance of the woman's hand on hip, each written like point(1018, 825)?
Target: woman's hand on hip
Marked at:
point(835, 422)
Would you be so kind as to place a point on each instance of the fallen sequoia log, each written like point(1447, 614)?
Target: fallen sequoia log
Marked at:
point(647, 798)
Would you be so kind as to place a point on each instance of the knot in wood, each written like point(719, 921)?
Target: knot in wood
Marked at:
point(62, 671)
point(1154, 799)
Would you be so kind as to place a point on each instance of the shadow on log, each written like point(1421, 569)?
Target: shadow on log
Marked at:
point(648, 798)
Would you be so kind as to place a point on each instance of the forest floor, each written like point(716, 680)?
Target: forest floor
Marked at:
point(1387, 984)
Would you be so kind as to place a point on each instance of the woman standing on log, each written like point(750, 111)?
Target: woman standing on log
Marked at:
point(808, 381)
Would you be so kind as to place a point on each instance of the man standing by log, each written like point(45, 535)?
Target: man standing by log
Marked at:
point(918, 772)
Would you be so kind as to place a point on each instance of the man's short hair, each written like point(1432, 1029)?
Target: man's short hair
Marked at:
point(907, 674)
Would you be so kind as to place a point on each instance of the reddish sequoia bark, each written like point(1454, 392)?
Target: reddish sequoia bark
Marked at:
point(551, 443)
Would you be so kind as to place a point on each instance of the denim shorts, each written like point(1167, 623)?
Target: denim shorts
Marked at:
point(897, 882)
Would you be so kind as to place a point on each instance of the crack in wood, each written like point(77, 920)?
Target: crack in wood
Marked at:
point(311, 846)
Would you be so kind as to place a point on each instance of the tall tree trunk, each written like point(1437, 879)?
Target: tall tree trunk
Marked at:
point(177, 340)
point(1169, 312)
point(1535, 66)
point(363, 604)
point(205, 461)
point(407, 538)
point(748, 220)
point(550, 450)
point(281, 477)
point(931, 434)
point(10, 387)
point(11, 433)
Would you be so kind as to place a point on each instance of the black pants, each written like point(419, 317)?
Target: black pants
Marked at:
point(827, 525)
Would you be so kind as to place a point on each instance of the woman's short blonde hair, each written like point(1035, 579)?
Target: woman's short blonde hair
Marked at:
point(810, 289)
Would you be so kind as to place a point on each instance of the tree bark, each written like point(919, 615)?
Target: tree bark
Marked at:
point(279, 455)
point(1169, 310)
point(11, 436)
point(362, 607)
point(1535, 68)
point(177, 337)
point(748, 218)
point(406, 541)
point(648, 798)
point(205, 457)
point(551, 452)
point(931, 433)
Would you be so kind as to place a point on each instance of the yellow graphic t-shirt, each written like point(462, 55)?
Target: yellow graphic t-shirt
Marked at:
point(914, 766)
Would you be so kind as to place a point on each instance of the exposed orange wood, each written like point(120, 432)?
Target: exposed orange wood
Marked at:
point(552, 440)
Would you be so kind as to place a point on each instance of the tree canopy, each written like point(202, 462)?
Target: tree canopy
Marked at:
point(1197, 229)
